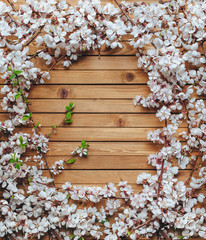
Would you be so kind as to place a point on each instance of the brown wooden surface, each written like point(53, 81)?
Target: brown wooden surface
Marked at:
point(102, 90)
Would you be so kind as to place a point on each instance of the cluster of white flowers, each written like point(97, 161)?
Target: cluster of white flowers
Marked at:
point(170, 41)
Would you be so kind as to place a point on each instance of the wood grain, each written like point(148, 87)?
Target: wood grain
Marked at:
point(97, 120)
point(94, 62)
point(98, 77)
point(100, 134)
point(89, 92)
point(74, 2)
point(137, 76)
point(103, 177)
point(87, 106)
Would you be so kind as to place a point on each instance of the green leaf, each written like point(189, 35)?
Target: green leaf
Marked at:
point(68, 116)
point(39, 149)
point(71, 160)
point(70, 106)
point(17, 72)
point(128, 232)
point(72, 236)
point(68, 196)
point(17, 95)
point(21, 139)
point(83, 143)
point(69, 121)
point(12, 160)
point(16, 83)
point(17, 165)
point(180, 237)
point(30, 180)
point(25, 117)
point(9, 69)
point(12, 76)
point(54, 126)
point(37, 125)
point(23, 145)
point(26, 101)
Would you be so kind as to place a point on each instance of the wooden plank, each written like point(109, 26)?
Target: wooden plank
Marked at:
point(104, 162)
point(99, 120)
point(74, 2)
point(100, 134)
point(88, 106)
point(107, 176)
point(111, 162)
point(93, 63)
point(96, 63)
point(96, 77)
point(105, 148)
point(88, 91)
point(125, 50)
point(91, 106)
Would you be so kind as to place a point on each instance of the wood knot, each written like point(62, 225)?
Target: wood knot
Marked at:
point(120, 122)
point(130, 77)
point(63, 93)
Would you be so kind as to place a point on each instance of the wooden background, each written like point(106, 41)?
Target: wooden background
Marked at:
point(104, 115)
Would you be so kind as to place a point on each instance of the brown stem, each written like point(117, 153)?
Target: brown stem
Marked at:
point(163, 2)
point(165, 235)
point(11, 237)
point(23, 183)
point(148, 221)
point(125, 14)
point(202, 46)
point(13, 20)
point(51, 175)
point(34, 36)
point(56, 235)
point(59, 59)
point(193, 169)
point(57, 188)
point(162, 169)
point(39, 51)
point(53, 129)
point(12, 5)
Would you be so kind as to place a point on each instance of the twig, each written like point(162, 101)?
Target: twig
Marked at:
point(193, 169)
point(59, 59)
point(34, 36)
point(11, 237)
point(148, 221)
point(125, 14)
point(12, 5)
point(13, 20)
point(51, 175)
point(165, 235)
point(39, 51)
point(162, 169)
point(54, 129)
point(56, 235)
point(50, 236)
